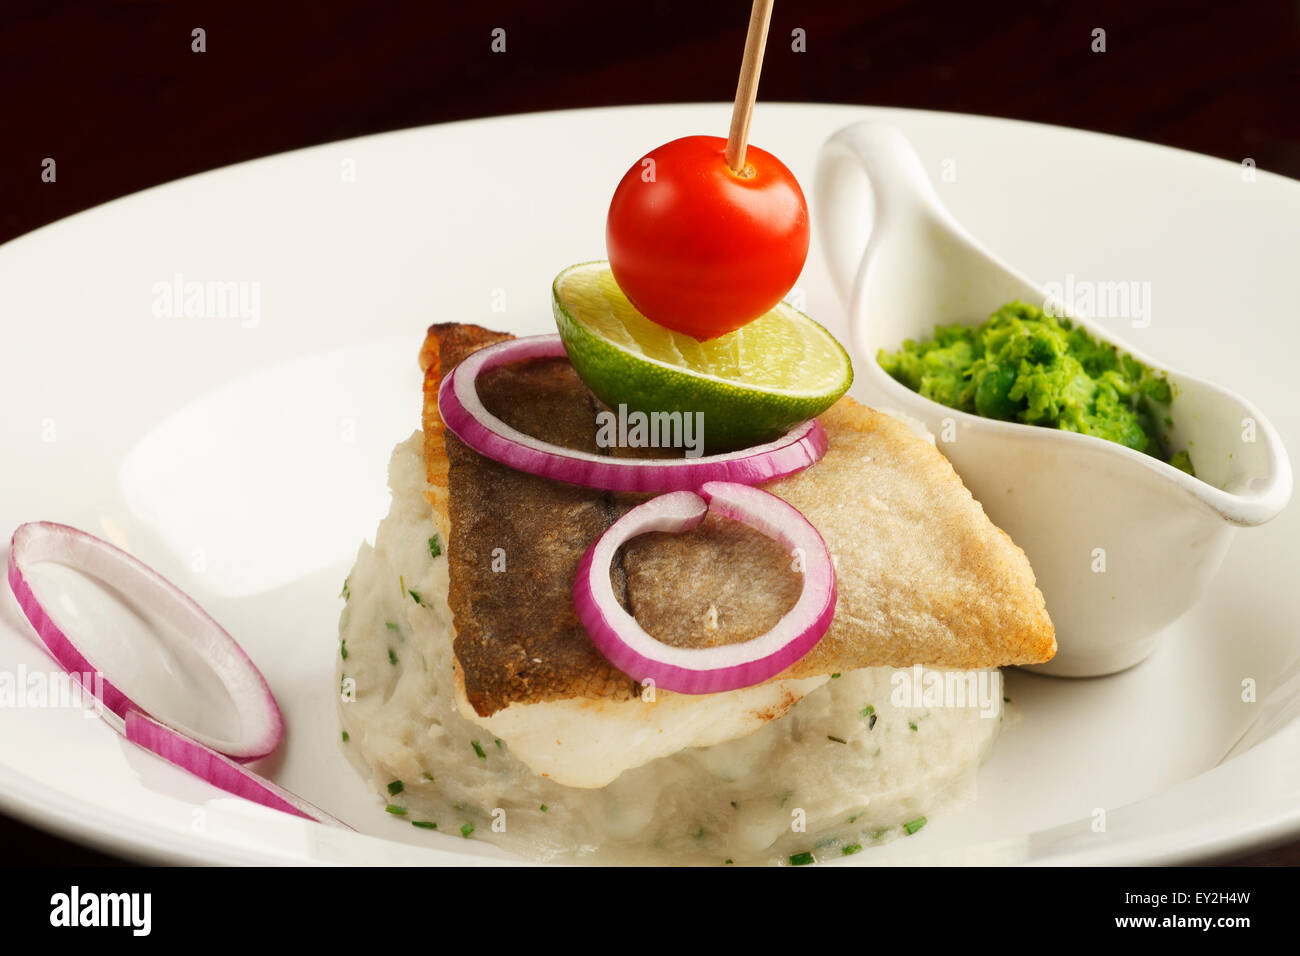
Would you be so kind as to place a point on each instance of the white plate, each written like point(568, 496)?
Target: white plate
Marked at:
point(246, 459)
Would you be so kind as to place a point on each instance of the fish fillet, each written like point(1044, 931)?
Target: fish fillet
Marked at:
point(924, 577)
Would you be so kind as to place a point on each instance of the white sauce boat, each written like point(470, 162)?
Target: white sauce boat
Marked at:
point(1121, 543)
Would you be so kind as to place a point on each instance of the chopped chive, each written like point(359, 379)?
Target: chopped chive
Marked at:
point(851, 849)
point(838, 740)
point(911, 724)
point(428, 776)
point(415, 597)
point(542, 808)
point(871, 722)
point(424, 824)
point(734, 805)
point(343, 649)
point(395, 788)
point(435, 547)
point(500, 745)
point(1006, 700)
point(401, 584)
point(392, 659)
point(392, 627)
point(396, 810)
point(698, 834)
point(728, 861)
point(912, 826)
point(852, 818)
point(866, 711)
point(467, 829)
point(479, 750)
point(802, 859)
point(347, 591)
point(346, 738)
point(835, 675)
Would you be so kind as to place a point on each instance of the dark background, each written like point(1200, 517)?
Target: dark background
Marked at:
point(113, 93)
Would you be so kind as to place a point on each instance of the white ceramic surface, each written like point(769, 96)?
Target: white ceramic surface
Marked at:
point(1121, 542)
point(244, 456)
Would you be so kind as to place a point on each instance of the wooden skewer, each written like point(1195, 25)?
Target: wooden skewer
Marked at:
point(747, 88)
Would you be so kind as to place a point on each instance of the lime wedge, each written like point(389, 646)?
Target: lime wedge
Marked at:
point(751, 385)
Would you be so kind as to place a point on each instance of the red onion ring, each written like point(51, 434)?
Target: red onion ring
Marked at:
point(627, 646)
point(261, 724)
point(218, 769)
point(464, 413)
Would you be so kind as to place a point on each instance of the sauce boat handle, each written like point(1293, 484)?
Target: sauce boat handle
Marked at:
point(869, 182)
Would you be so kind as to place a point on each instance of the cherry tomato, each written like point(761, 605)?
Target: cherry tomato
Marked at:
point(699, 248)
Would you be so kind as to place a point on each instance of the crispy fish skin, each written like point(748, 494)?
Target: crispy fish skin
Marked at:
point(965, 598)
point(445, 344)
point(514, 540)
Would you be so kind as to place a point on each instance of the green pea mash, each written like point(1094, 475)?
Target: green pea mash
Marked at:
point(1023, 365)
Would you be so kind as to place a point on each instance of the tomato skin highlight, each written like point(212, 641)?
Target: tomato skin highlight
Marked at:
point(700, 249)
